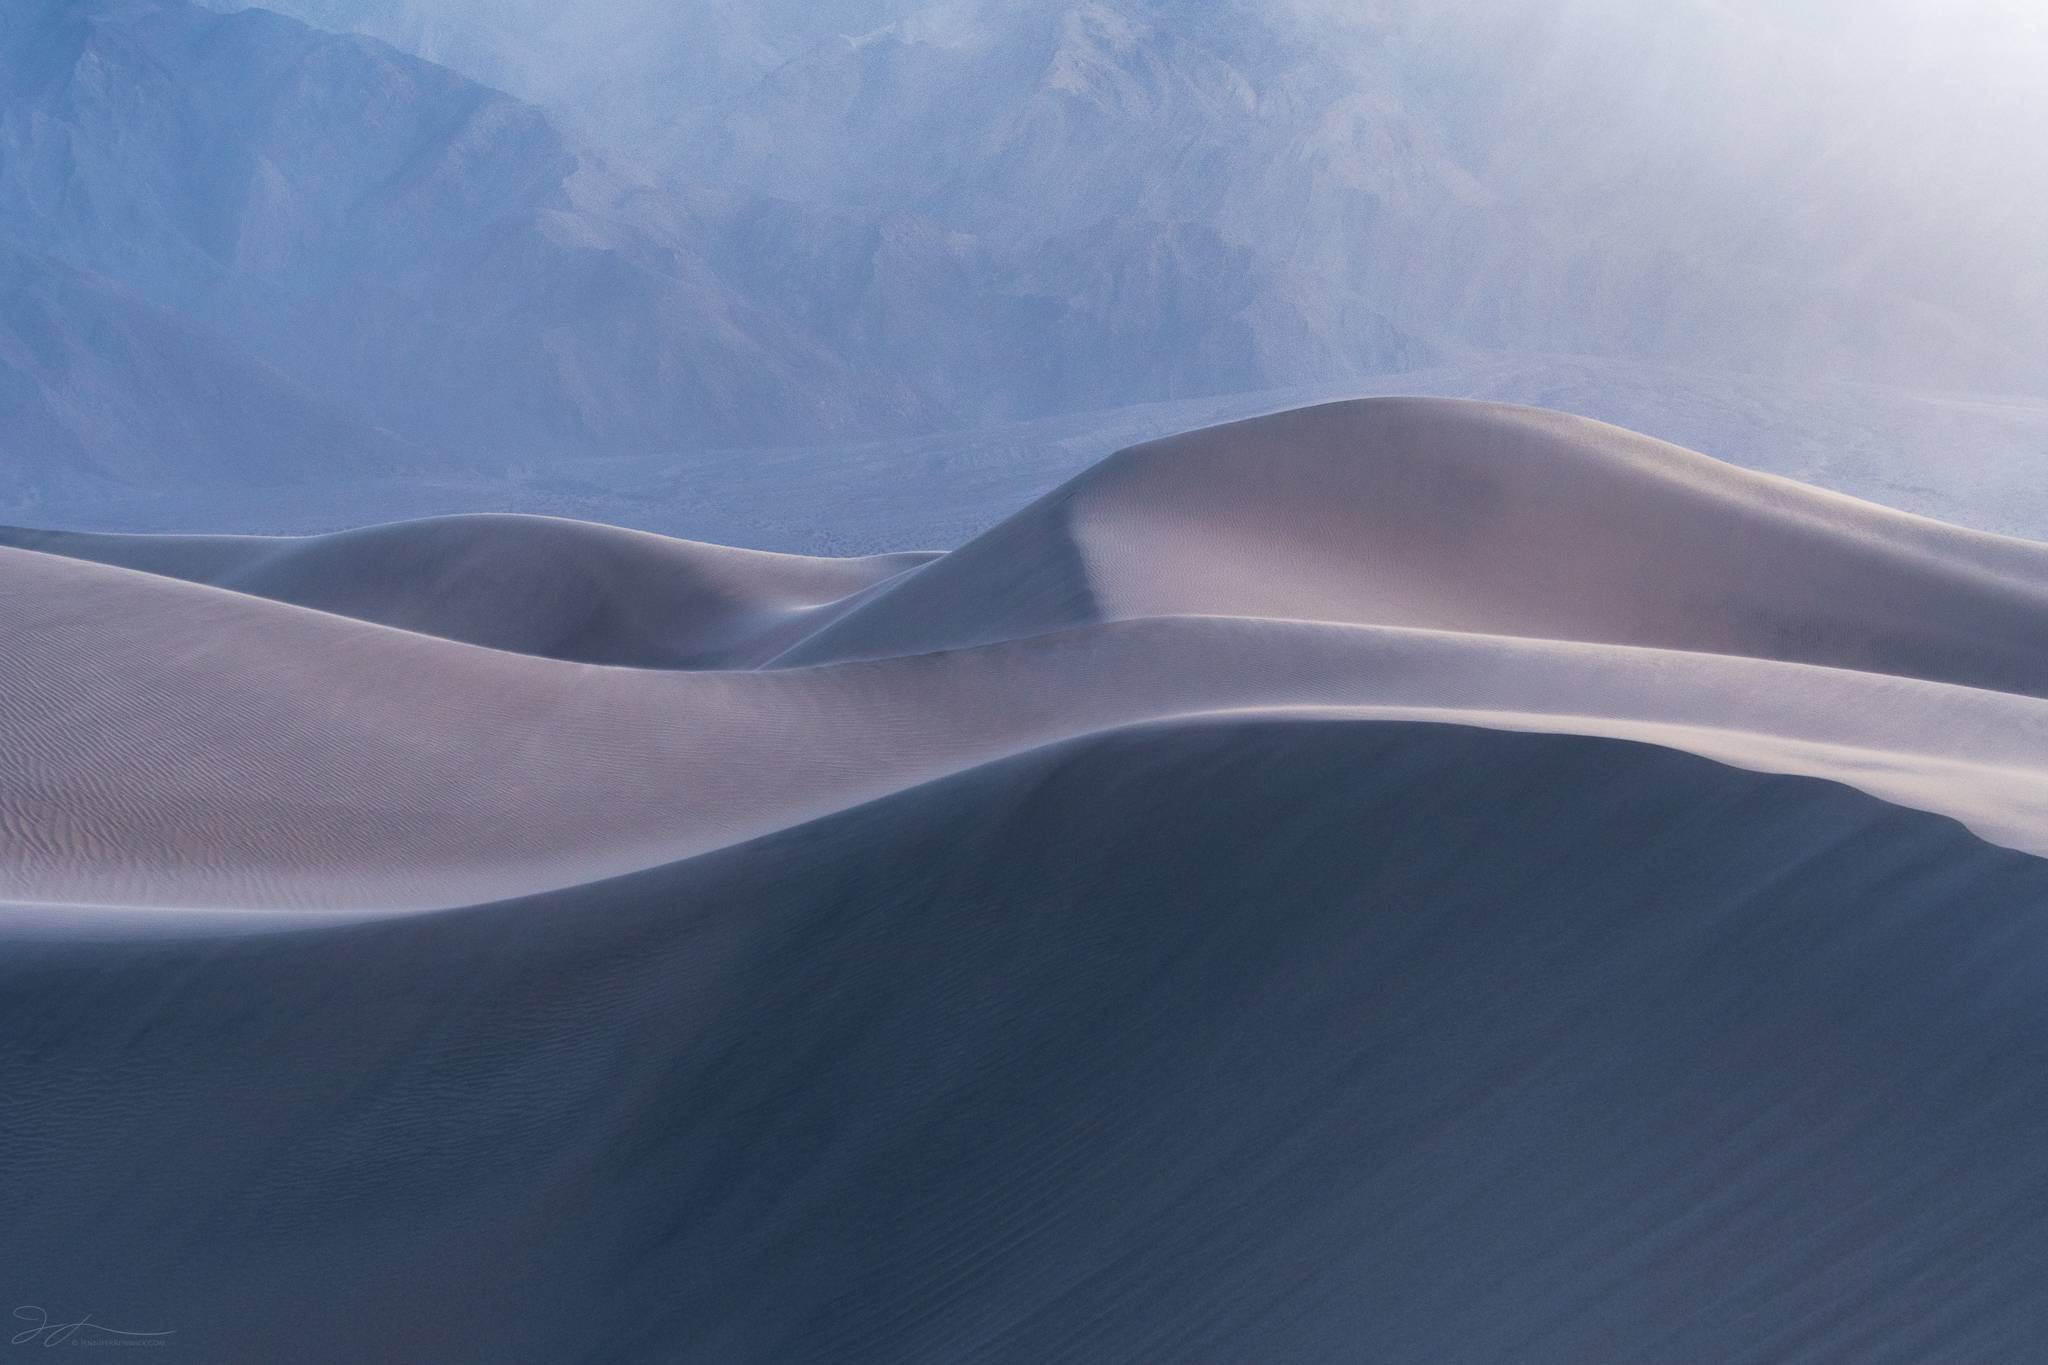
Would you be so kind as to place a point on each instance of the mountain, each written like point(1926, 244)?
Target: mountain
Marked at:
point(435, 259)
point(886, 222)
point(1443, 880)
point(102, 391)
point(1538, 176)
point(425, 253)
point(1800, 191)
point(613, 72)
point(904, 238)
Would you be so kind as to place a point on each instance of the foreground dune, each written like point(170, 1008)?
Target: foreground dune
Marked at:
point(1238, 1041)
point(1404, 880)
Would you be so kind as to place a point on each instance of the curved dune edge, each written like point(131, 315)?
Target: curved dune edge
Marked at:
point(545, 586)
point(643, 768)
point(170, 741)
point(1224, 1041)
point(1483, 519)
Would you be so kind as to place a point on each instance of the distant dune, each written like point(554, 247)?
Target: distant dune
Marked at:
point(529, 585)
point(1401, 880)
point(1485, 520)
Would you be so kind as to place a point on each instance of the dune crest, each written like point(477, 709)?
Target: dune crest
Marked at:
point(1484, 519)
point(439, 713)
point(558, 589)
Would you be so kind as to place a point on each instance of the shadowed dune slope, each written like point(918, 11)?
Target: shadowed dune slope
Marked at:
point(531, 585)
point(1482, 518)
point(1236, 1041)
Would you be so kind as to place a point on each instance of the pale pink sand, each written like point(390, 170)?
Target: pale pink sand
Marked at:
point(172, 743)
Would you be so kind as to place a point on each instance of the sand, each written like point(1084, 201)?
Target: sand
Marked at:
point(269, 725)
point(1404, 880)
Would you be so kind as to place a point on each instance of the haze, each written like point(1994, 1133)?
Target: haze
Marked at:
point(736, 226)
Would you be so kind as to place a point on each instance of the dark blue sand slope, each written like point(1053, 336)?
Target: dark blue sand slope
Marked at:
point(1238, 1042)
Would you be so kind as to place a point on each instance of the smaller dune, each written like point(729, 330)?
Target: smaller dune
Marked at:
point(543, 586)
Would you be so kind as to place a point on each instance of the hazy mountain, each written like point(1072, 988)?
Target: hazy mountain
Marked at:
point(1817, 187)
point(1120, 310)
point(639, 73)
point(1113, 158)
point(879, 220)
point(1810, 188)
point(429, 253)
point(100, 390)
point(1729, 185)
point(437, 259)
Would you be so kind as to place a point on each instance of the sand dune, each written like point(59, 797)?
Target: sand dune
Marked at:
point(185, 746)
point(1411, 880)
point(1486, 519)
point(531, 585)
point(1229, 1041)
point(186, 730)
